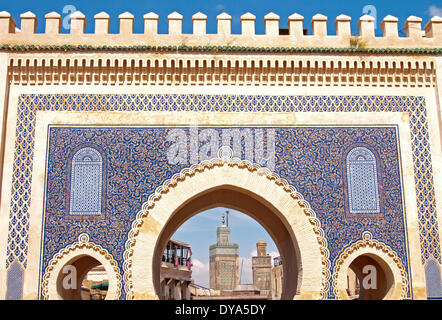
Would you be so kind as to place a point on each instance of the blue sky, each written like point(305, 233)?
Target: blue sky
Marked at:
point(284, 8)
point(200, 232)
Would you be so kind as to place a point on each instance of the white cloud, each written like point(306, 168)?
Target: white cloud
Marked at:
point(220, 7)
point(274, 254)
point(200, 273)
point(435, 11)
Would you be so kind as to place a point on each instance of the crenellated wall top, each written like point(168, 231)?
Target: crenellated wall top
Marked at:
point(429, 37)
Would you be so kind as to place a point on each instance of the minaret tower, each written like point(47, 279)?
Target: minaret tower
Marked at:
point(223, 259)
point(262, 268)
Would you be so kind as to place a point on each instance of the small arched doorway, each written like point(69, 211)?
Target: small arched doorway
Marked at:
point(374, 277)
point(278, 207)
point(379, 271)
point(64, 276)
point(76, 281)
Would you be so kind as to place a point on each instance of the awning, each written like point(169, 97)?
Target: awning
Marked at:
point(101, 286)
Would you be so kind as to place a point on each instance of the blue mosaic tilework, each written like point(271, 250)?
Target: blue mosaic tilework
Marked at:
point(86, 183)
point(315, 162)
point(29, 104)
point(362, 175)
point(312, 158)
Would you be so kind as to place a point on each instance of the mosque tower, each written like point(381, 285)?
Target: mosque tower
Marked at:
point(224, 260)
point(262, 268)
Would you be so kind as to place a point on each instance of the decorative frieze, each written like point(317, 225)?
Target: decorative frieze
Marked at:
point(221, 69)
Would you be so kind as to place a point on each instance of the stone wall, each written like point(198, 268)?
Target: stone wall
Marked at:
point(416, 37)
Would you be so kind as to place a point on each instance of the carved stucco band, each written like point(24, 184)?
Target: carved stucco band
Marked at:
point(83, 246)
point(232, 69)
point(220, 162)
point(369, 245)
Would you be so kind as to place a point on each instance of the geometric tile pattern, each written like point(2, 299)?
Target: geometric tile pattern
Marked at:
point(86, 183)
point(30, 103)
point(227, 274)
point(362, 178)
point(315, 162)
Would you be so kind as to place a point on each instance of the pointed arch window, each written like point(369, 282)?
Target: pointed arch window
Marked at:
point(86, 183)
point(362, 179)
point(433, 279)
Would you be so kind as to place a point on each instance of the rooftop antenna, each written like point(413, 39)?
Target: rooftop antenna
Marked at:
point(227, 211)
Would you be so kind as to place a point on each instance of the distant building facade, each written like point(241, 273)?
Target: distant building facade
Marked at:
point(277, 278)
point(262, 269)
point(224, 261)
point(176, 271)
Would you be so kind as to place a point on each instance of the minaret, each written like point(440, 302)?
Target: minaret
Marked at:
point(262, 268)
point(223, 259)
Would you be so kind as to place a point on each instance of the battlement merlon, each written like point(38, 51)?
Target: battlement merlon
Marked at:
point(429, 37)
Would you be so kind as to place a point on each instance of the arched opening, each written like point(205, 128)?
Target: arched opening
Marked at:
point(373, 278)
point(269, 200)
point(376, 269)
point(220, 253)
point(83, 278)
point(258, 209)
point(82, 260)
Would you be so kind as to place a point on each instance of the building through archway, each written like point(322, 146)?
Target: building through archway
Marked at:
point(226, 258)
point(236, 199)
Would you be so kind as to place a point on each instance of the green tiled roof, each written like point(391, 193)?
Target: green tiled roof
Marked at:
point(214, 49)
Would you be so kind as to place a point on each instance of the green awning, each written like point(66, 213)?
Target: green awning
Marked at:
point(101, 286)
